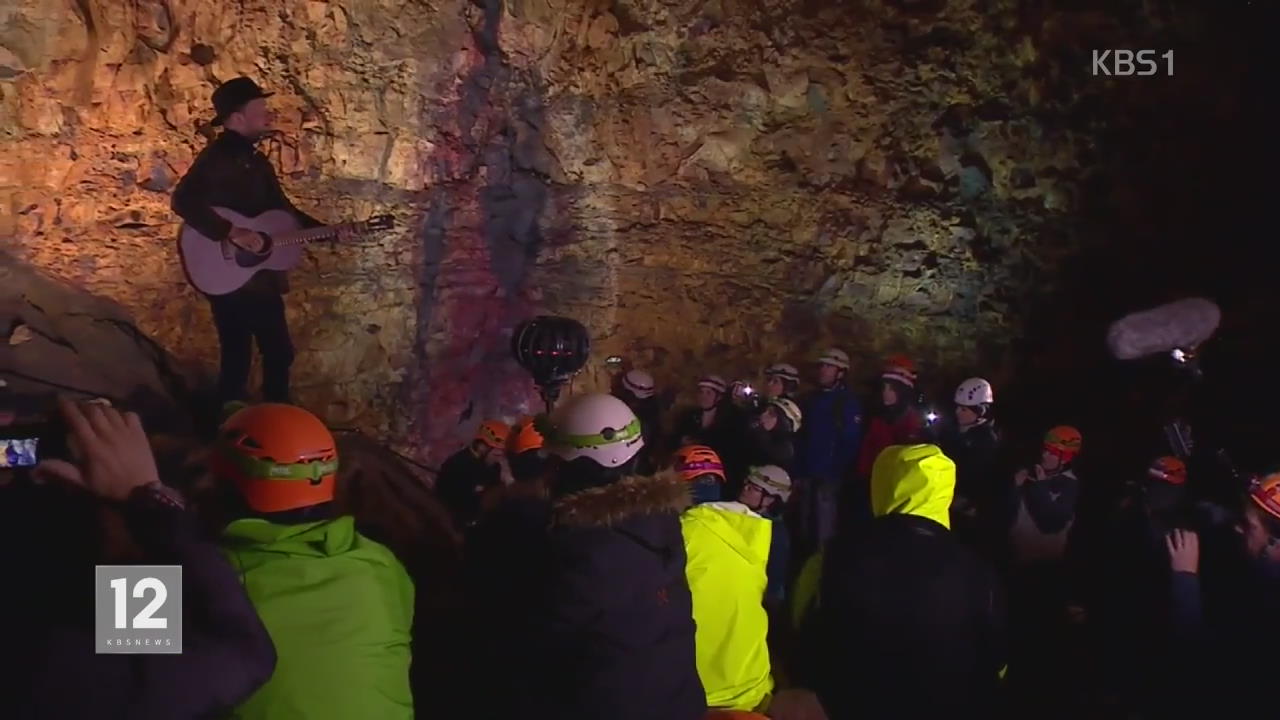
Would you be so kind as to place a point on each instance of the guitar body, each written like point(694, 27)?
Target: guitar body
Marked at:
point(217, 270)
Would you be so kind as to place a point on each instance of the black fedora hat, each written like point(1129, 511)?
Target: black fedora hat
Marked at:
point(233, 95)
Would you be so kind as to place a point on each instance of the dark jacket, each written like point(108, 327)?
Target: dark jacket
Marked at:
point(232, 173)
point(830, 434)
point(505, 568)
point(980, 505)
point(461, 484)
point(770, 447)
point(227, 653)
point(909, 622)
point(725, 436)
point(1222, 633)
point(650, 416)
point(616, 621)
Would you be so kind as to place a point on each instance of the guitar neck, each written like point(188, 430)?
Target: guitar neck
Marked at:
point(301, 237)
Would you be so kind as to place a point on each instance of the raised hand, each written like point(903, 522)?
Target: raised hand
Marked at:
point(1184, 551)
point(114, 454)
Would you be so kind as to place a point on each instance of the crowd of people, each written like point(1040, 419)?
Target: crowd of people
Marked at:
point(793, 552)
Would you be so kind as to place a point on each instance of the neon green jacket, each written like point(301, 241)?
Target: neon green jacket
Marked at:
point(339, 608)
point(728, 550)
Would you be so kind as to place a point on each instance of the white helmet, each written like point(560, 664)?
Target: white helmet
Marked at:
point(714, 382)
point(974, 392)
point(596, 426)
point(790, 410)
point(771, 479)
point(835, 357)
point(639, 383)
point(784, 371)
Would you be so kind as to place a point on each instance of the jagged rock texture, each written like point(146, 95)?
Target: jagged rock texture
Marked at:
point(709, 185)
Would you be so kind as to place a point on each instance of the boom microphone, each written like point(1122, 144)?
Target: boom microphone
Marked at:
point(1183, 325)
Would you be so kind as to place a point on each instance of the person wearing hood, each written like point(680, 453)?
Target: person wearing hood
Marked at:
point(613, 625)
point(770, 439)
point(973, 443)
point(728, 547)
point(908, 621)
point(338, 606)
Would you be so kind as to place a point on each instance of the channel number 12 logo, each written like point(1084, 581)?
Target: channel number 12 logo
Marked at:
point(138, 609)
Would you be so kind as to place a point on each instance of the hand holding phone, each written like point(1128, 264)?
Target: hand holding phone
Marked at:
point(114, 455)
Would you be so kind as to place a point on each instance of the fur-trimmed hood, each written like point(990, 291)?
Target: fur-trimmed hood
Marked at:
point(606, 506)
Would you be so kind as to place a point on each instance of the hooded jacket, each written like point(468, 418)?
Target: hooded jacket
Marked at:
point(728, 552)
point(614, 627)
point(339, 608)
point(908, 622)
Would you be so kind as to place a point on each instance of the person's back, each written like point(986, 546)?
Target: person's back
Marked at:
point(728, 551)
point(614, 628)
point(620, 618)
point(909, 622)
point(338, 606)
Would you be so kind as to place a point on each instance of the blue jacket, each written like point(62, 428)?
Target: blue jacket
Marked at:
point(830, 434)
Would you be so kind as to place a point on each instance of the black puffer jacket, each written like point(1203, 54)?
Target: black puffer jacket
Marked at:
point(615, 626)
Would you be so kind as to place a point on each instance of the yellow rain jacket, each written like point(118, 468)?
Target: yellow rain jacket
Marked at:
point(908, 479)
point(913, 480)
point(728, 550)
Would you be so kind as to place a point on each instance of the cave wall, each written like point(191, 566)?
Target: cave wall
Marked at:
point(709, 185)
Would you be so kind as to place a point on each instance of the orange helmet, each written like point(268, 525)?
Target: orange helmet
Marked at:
point(694, 461)
point(1063, 441)
point(281, 457)
point(493, 433)
point(1266, 494)
point(524, 437)
point(901, 369)
point(1169, 469)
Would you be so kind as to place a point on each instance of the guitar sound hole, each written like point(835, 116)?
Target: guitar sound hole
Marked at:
point(246, 259)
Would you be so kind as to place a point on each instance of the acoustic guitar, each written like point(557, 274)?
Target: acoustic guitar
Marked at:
point(218, 268)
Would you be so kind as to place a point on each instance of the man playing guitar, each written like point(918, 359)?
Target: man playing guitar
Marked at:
point(231, 173)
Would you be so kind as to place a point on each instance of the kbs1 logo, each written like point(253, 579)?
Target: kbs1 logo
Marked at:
point(1126, 63)
point(138, 609)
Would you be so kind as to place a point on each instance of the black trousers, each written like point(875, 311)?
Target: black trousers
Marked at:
point(242, 317)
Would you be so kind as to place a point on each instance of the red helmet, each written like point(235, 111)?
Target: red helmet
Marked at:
point(900, 368)
point(1265, 493)
point(281, 457)
point(1169, 469)
point(1063, 441)
point(694, 461)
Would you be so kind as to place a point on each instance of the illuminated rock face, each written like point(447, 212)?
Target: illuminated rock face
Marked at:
point(708, 186)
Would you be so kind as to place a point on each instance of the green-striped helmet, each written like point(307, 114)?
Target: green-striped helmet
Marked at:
point(596, 426)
